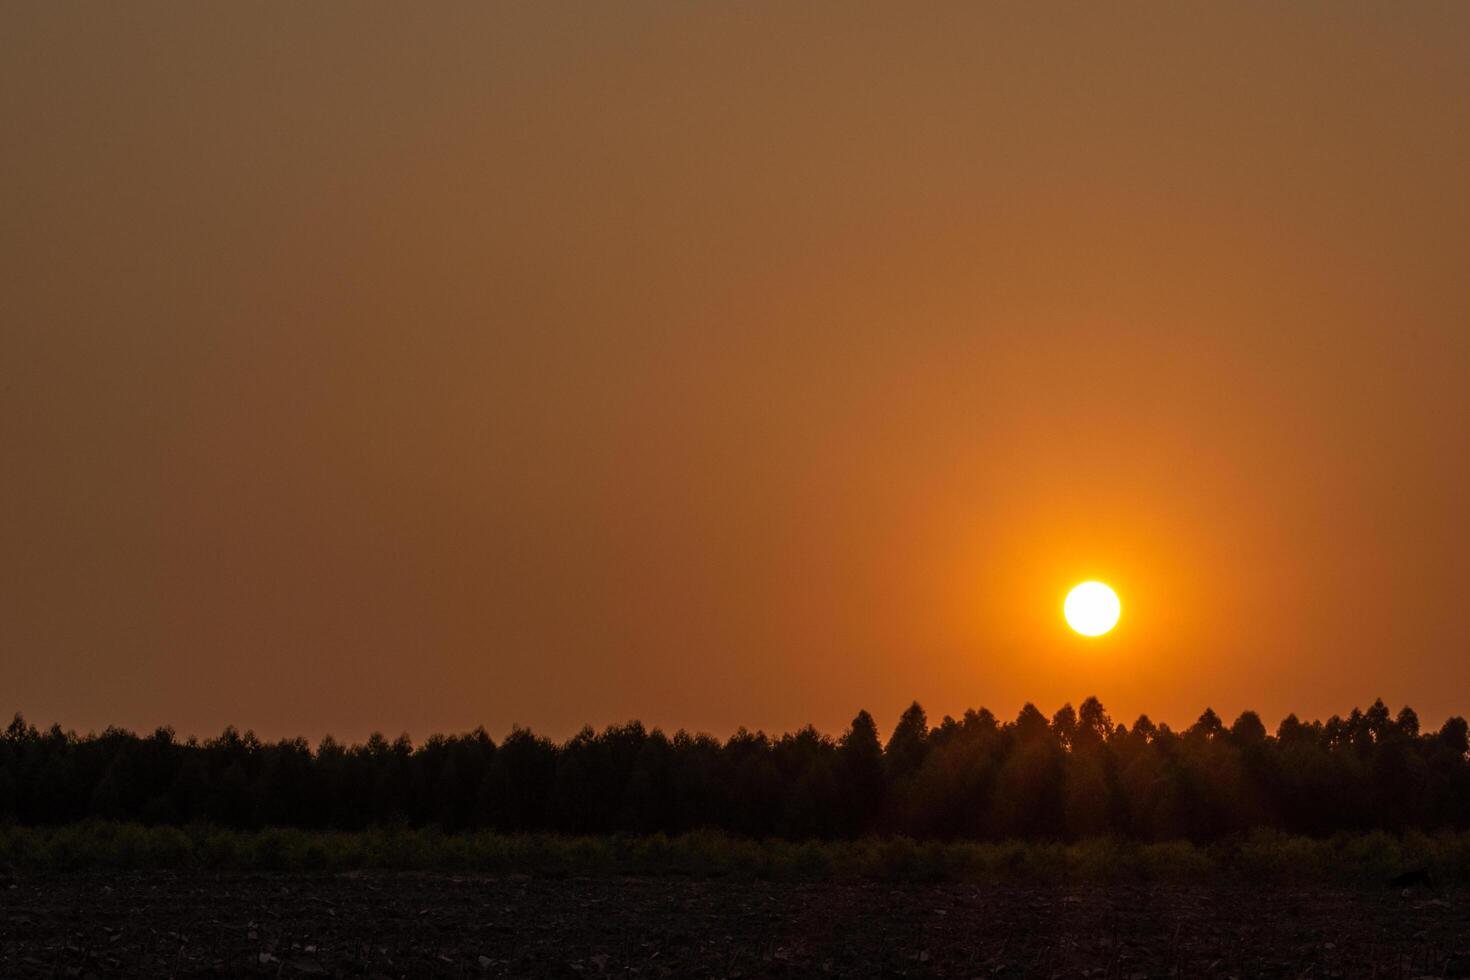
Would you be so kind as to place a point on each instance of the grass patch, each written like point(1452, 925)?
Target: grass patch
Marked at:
point(1361, 859)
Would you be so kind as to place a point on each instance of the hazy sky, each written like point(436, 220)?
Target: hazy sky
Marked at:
point(419, 366)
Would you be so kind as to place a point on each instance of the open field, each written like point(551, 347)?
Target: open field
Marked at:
point(410, 924)
point(125, 900)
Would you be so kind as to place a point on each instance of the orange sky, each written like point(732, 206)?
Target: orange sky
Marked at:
point(416, 367)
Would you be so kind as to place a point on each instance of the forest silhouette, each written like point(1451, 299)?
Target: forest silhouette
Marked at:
point(1076, 775)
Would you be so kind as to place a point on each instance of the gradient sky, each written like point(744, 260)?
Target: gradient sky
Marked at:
point(419, 366)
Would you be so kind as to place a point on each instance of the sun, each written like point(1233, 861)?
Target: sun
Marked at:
point(1092, 608)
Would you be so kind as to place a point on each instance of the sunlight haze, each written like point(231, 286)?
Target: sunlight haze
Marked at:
point(373, 367)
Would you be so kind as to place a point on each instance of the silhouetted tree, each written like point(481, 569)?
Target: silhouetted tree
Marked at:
point(1093, 724)
point(1064, 725)
point(860, 775)
point(905, 751)
point(1073, 776)
point(1407, 722)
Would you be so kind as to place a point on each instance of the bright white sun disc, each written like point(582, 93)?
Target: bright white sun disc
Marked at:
point(1092, 609)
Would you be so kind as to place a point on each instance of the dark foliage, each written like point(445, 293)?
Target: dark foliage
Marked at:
point(1078, 775)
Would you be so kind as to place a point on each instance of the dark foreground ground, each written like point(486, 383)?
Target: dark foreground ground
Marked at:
point(162, 924)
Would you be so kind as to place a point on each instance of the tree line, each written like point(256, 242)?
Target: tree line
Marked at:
point(1077, 774)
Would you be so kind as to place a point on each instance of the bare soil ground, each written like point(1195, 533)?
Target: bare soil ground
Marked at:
point(163, 924)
